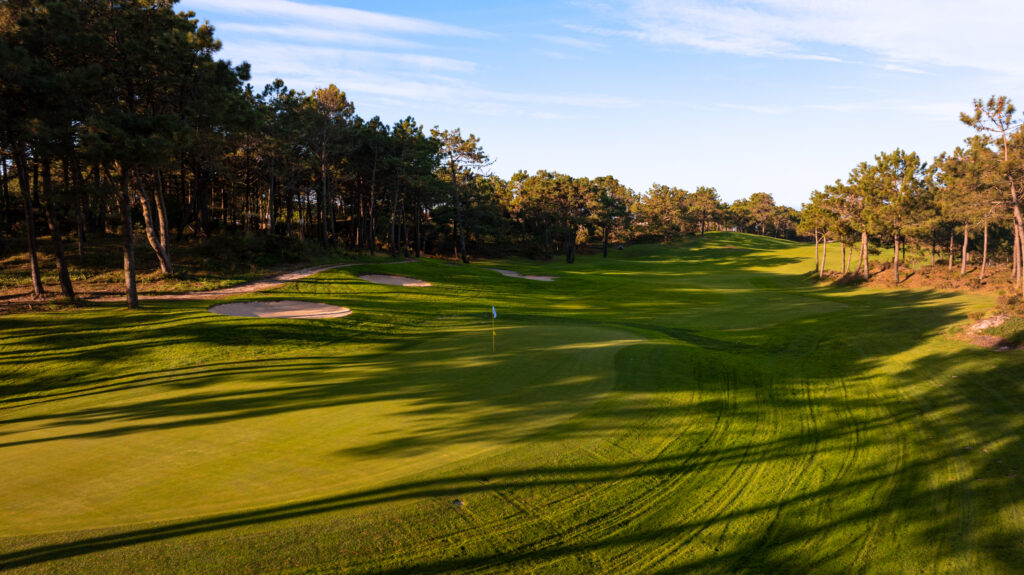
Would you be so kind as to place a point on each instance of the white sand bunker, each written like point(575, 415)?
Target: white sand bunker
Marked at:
point(281, 309)
point(390, 280)
point(512, 274)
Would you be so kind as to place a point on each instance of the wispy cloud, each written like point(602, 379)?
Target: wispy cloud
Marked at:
point(935, 111)
point(392, 80)
point(571, 42)
point(756, 109)
point(379, 58)
point(298, 61)
point(306, 33)
point(931, 111)
point(844, 108)
point(555, 54)
point(906, 69)
point(331, 17)
point(904, 35)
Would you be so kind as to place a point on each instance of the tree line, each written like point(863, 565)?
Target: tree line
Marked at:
point(898, 199)
point(117, 118)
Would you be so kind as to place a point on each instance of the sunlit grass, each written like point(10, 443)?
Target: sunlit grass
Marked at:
point(702, 407)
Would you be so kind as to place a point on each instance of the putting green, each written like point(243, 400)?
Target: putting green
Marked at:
point(214, 439)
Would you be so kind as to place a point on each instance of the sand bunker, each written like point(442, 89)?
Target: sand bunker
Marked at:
point(512, 274)
point(394, 280)
point(281, 309)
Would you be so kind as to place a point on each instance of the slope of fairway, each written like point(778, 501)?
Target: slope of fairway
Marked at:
point(701, 407)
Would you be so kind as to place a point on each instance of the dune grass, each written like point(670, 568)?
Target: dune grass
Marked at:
point(702, 407)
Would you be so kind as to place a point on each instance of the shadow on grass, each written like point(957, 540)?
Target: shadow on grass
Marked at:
point(902, 492)
point(815, 440)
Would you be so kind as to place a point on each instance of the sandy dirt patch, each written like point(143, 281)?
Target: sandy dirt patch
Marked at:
point(512, 274)
point(975, 334)
point(281, 309)
point(994, 321)
point(391, 280)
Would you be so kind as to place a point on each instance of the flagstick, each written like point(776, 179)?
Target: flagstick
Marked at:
point(492, 333)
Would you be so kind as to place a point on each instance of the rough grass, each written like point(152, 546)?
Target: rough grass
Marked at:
point(693, 408)
point(917, 270)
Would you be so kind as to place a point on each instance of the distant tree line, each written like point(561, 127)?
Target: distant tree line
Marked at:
point(899, 199)
point(116, 118)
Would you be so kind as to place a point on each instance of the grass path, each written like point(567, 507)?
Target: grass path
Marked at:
point(693, 408)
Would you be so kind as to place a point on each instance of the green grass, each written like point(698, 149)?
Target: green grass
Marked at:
point(702, 407)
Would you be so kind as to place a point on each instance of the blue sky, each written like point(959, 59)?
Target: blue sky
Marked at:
point(778, 96)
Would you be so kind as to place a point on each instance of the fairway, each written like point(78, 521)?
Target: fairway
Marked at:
point(696, 407)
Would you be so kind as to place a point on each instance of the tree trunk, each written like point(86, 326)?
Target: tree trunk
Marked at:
point(360, 232)
point(1016, 257)
point(824, 254)
point(963, 253)
point(817, 254)
point(570, 245)
point(461, 246)
point(933, 251)
point(271, 196)
point(896, 257)
point(58, 245)
point(223, 205)
point(605, 245)
point(863, 252)
point(322, 200)
point(404, 218)
point(1020, 260)
point(394, 226)
point(186, 198)
point(151, 225)
point(333, 205)
point(73, 177)
point(289, 213)
point(80, 222)
point(301, 215)
point(951, 235)
point(35, 185)
point(371, 227)
point(202, 201)
point(1019, 277)
point(161, 217)
point(124, 201)
point(1018, 222)
point(419, 216)
point(5, 190)
point(843, 269)
point(109, 211)
point(984, 253)
point(30, 227)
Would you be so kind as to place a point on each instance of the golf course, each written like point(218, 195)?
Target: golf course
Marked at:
point(702, 406)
